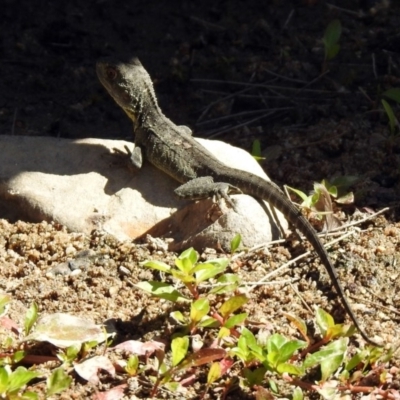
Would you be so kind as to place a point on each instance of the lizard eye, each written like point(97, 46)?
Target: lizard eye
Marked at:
point(111, 73)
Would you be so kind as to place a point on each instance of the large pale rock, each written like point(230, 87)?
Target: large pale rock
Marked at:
point(78, 183)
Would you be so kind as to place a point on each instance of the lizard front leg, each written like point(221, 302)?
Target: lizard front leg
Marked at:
point(204, 187)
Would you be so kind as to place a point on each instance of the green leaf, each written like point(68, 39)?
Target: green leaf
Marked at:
point(299, 193)
point(205, 271)
point(179, 347)
point(324, 321)
point(162, 291)
point(132, 365)
point(359, 357)
point(223, 332)
point(235, 242)
point(214, 373)
point(19, 378)
point(219, 262)
point(235, 320)
point(209, 323)
point(298, 323)
point(333, 32)
point(226, 283)
point(26, 396)
point(297, 394)
point(184, 265)
point(390, 114)
point(57, 382)
point(232, 304)
point(289, 348)
point(190, 254)
point(335, 359)
point(199, 309)
point(330, 358)
point(72, 352)
point(333, 51)
point(4, 373)
point(256, 148)
point(4, 300)
point(331, 38)
point(275, 342)
point(18, 356)
point(273, 386)
point(30, 318)
point(393, 94)
point(249, 340)
point(178, 316)
point(254, 377)
point(290, 369)
point(157, 265)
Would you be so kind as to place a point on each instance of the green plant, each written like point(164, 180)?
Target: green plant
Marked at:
point(255, 356)
point(12, 383)
point(187, 270)
point(331, 39)
point(394, 95)
point(256, 150)
point(319, 201)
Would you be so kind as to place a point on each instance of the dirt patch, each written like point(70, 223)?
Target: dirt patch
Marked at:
point(232, 71)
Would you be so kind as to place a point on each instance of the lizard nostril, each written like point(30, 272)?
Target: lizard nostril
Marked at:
point(111, 73)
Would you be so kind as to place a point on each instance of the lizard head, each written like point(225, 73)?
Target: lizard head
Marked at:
point(128, 84)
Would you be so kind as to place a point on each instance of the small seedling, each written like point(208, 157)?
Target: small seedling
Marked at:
point(256, 150)
point(188, 271)
point(331, 39)
point(394, 95)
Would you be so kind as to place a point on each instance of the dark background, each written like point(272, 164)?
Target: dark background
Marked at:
point(314, 120)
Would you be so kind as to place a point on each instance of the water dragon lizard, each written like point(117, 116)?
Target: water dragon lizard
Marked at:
point(173, 150)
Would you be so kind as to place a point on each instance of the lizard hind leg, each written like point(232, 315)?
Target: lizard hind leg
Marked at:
point(204, 187)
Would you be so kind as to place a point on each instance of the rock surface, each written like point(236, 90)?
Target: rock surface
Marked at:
point(80, 184)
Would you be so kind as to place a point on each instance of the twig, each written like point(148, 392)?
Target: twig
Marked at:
point(14, 120)
point(207, 24)
point(358, 14)
point(365, 94)
point(374, 65)
point(220, 100)
point(301, 298)
point(285, 78)
point(294, 260)
point(288, 19)
point(220, 132)
point(230, 116)
point(263, 85)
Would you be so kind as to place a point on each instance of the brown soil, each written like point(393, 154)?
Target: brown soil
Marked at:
point(236, 71)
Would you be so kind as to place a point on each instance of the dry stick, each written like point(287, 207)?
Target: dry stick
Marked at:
point(14, 120)
point(374, 65)
point(354, 13)
point(207, 24)
point(263, 85)
point(257, 96)
point(366, 95)
point(240, 114)
point(246, 123)
point(286, 265)
point(301, 298)
point(285, 78)
point(219, 101)
point(253, 249)
point(288, 19)
point(382, 299)
point(322, 234)
point(243, 113)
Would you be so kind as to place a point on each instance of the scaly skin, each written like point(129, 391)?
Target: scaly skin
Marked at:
point(172, 149)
